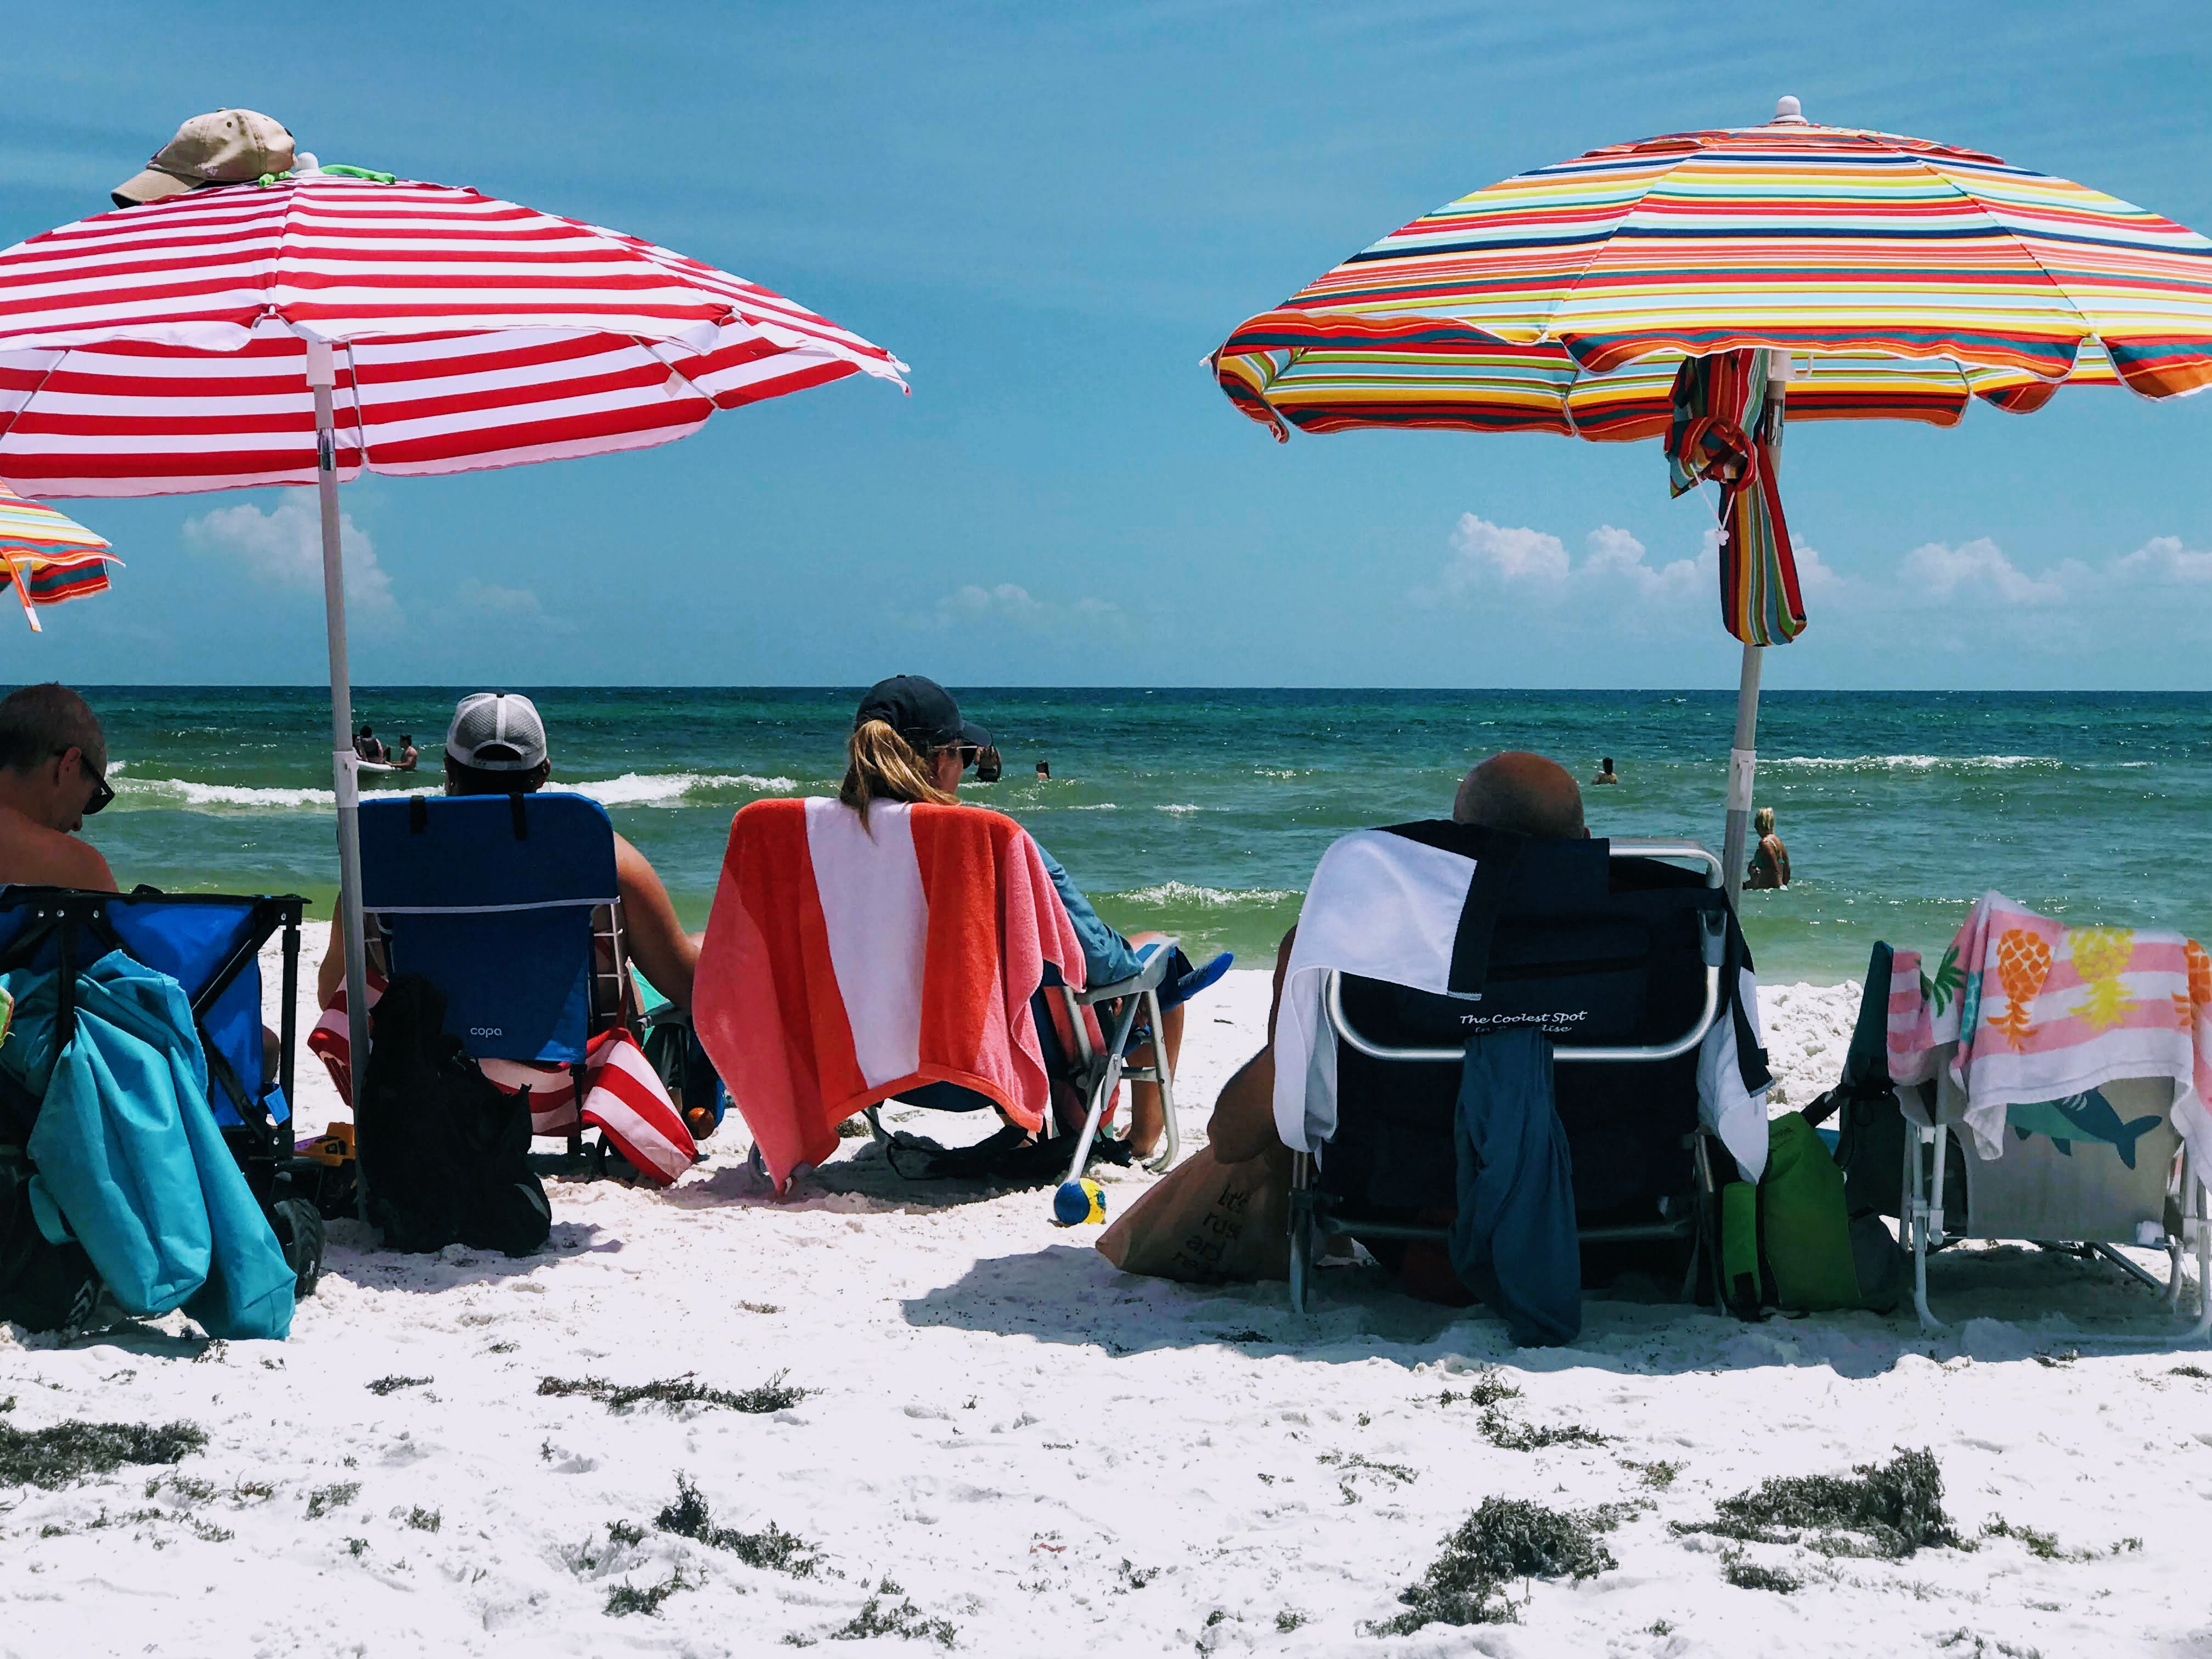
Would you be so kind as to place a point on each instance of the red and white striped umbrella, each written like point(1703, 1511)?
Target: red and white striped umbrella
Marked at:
point(163, 348)
point(332, 321)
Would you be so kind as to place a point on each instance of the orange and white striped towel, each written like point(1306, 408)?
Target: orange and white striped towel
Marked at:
point(2040, 1011)
point(846, 963)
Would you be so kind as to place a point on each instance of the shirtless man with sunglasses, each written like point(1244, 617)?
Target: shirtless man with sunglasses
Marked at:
point(54, 760)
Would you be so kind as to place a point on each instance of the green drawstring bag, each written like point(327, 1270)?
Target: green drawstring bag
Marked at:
point(1787, 1242)
point(1739, 1276)
point(1804, 1223)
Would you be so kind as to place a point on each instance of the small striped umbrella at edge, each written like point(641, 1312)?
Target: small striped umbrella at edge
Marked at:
point(48, 557)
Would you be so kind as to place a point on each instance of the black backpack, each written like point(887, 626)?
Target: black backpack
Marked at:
point(44, 1286)
point(444, 1154)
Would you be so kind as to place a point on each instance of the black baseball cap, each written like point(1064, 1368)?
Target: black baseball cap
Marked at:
point(921, 711)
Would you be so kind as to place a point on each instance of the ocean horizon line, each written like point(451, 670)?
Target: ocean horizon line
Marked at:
point(1767, 695)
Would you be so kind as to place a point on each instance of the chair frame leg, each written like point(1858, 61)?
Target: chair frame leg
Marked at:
point(1302, 1232)
point(1704, 1240)
point(1114, 1070)
point(1923, 1217)
point(1924, 1222)
point(2193, 1183)
point(1109, 1075)
point(1162, 1070)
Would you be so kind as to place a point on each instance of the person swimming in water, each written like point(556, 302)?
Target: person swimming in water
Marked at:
point(1770, 865)
point(1605, 773)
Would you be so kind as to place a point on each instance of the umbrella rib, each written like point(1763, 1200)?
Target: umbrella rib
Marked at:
point(1982, 208)
point(45, 374)
point(1600, 244)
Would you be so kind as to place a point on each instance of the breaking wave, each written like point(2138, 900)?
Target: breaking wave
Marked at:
point(677, 788)
point(1173, 893)
point(218, 797)
point(630, 789)
point(1920, 762)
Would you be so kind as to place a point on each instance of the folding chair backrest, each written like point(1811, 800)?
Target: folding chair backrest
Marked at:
point(207, 943)
point(1593, 948)
point(490, 897)
point(2086, 1192)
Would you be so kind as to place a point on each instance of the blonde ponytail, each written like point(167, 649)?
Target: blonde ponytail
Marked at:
point(881, 765)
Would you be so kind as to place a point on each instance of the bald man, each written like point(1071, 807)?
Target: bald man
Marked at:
point(1516, 791)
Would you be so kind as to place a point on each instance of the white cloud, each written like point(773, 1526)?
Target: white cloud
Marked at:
point(482, 604)
point(1979, 568)
point(1483, 548)
point(282, 549)
point(1934, 603)
point(2164, 558)
point(1816, 577)
point(1488, 558)
point(1011, 606)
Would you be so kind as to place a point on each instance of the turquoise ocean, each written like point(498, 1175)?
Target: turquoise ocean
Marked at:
point(1202, 811)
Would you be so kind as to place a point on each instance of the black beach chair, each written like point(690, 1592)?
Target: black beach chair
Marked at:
point(210, 945)
point(1623, 956)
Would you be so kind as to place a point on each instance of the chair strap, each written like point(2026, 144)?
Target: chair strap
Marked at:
point(1478, 917)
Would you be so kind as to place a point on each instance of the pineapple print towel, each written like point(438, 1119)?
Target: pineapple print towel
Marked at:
point(2040, 1012)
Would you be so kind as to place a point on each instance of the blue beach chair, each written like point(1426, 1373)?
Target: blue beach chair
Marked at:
point(210, 945)
point(492, 899)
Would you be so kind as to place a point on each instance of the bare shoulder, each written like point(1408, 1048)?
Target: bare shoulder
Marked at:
point(32, 855)
point(633, 869)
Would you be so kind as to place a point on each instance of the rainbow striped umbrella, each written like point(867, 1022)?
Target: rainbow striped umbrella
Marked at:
point(1695, 287)
point(48, 557)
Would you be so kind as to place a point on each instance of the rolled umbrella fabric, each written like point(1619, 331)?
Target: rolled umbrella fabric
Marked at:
point(48, 557)
point(1727, 427)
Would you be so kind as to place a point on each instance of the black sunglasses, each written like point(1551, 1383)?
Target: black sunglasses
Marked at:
point(101, 794)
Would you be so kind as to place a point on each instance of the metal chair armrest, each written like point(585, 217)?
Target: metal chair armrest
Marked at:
point(1148, 979)
point(1333, 1008)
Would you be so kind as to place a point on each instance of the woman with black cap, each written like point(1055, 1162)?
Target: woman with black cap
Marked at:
point(910, 744)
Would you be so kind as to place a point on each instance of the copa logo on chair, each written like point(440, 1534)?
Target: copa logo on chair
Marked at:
point(486, 1030)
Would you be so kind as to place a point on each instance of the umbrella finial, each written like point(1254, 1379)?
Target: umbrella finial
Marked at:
point(1787, 109)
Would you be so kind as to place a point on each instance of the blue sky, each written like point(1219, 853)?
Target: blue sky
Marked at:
point(1052, 213)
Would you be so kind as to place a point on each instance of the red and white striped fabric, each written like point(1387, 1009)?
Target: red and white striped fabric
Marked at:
point(162, 349)
point(623, 1097)
point(846, 963)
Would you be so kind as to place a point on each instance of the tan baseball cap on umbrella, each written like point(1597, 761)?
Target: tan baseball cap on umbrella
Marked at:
point(228, 147)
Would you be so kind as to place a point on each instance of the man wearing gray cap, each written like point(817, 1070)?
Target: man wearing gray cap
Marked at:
point(228, 147)
point(496, 746)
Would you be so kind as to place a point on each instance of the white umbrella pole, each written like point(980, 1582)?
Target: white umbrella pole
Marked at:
point(346, 772)
point(1743, 762)
point(1743, 754)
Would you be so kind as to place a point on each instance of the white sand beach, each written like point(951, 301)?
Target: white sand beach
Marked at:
point(1048, 1455)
